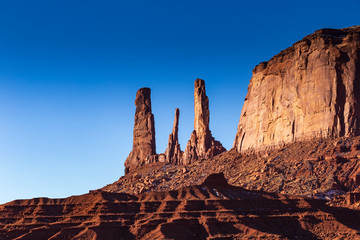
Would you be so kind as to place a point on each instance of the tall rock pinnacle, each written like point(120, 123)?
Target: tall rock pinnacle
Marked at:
point(144, 149)
point(202, 115)
point(173, 153)
point(309, 90)
point(201, 143)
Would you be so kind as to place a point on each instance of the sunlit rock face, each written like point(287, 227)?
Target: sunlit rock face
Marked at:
point(309, 90)
point(202, 144)
point(144, 148)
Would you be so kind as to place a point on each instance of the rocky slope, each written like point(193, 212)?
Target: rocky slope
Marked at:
point(323, 168)
point(307, 91)
point(212, 210)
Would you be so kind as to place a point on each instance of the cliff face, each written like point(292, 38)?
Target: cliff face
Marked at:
point(309, 90)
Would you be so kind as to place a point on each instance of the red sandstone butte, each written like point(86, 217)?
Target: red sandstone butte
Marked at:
point(309, 90)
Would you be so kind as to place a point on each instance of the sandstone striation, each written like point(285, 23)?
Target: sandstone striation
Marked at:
point(144, 148)
point(211, 210)
point(310, 90)
point(173, 152)
point(201, 145)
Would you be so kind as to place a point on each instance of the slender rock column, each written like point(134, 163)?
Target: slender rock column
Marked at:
point(144, 148)
point(173, 152)
point(201, 145)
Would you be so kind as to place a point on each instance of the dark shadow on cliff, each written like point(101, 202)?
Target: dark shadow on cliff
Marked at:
point(348, 217)
point(270, 216)
point(184, 229)
point(266, 212)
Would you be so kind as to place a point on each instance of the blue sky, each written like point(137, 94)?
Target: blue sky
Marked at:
point(69, 72)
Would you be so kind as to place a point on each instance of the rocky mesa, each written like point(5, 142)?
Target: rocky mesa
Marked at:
point(310, 90)
point(293, 173)
point(298, 131)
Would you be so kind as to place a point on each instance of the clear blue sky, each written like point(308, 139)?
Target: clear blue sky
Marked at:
point(69, 72)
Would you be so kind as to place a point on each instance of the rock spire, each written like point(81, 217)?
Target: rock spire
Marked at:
point(310, 90)
point(144, 148)
point(201, 144)
point(173, 152)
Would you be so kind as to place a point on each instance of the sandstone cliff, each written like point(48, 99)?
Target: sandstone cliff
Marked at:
point(309, 90)
point(201, 144)
point(144, 148)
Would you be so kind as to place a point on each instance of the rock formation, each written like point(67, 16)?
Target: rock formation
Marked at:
point(200, 146)
point(144, 148)
point(201, 143)
point(173, 152)
point(309, 90)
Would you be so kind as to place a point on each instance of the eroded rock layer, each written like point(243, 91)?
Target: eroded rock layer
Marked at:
point(309, 90)
point(144, 148)
point(211, 210)
point(202, 144)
